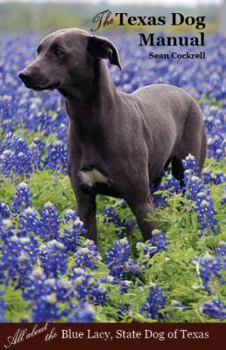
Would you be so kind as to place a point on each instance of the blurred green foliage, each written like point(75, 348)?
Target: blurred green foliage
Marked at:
point(44, 16)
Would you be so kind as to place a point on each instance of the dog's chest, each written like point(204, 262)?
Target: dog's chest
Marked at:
point(92, 160)
point(93, 176)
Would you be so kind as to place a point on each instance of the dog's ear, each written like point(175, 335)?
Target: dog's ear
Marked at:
point(102, 48)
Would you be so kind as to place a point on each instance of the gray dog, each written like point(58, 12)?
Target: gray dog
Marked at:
point(118, 143)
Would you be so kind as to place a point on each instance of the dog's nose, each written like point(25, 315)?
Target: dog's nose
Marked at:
point(26, 78)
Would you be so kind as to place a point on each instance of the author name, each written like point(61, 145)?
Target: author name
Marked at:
point(178, 55)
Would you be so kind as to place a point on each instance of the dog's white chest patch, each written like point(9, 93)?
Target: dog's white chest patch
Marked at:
point(92, 177)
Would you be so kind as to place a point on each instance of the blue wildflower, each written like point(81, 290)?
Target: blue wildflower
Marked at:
point(209, 267)
point(69, 215)
point(19, 254)
point(87, 256)
point(22, 199)
point(29, 222)
point(195, 191)
point(53, 258)
point(56, 158)
point(82, 313)
point(4, 211)
point(89, 289)
point(123, 310)
point(36, 150)
point(111, 216)
point(119, 262)
point(215, 309)
point(156, 244)
point(154, 303)
point(71, 237)
point(49, 222)
point(2, 309)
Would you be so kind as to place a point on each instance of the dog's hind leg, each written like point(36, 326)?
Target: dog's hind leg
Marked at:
point(192, 142)
point(203, 151)
point(141, 209)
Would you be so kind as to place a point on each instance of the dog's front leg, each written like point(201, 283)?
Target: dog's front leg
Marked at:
point(87, 212)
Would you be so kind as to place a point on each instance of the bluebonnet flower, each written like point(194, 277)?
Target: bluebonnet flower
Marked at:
point(89, 288)
point(207, 176)
point(221, 253)
point(22, 199)
point(87, 256)
point(29, 222)
point(111, 216)
point(119, 262)
point(97, 294)
point(34, 284)
point(45, 305)
point(196, 192)
point(23, 164)
point(46, 309)
point(215, 147)
point(2, 309)
point(158, 199)
point(209, 267)
point(173, 185)
point(154, 303)
point(223, 201)
point(119, 253)
point(156, 244)
point(123, 310)
point(15, 158)
point(53, 258)
point(214, 121)
point(219, 178)
point(81, 283)
point(49, 222)
point(73, 230)
point(108, 280)
point(206, 212)
point(7, 230)
point(36, 150)
point(214, 309)
point(82, 313)
point(216, 179)
point(56, 158)
point(124, 286)
point(221, 249)
point(7, 162)
point(46, 294)
point(190, 163)
point(71, 237)
point(65, 289)
point(179, 305)
point(19, 254)
point(4, 211)
point(69, 215)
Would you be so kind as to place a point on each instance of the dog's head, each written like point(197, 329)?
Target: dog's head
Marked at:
point(67, 57)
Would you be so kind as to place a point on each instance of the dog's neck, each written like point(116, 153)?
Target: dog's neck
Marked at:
point(93, 96)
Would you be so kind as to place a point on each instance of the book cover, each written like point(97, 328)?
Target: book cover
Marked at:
point(112, 173)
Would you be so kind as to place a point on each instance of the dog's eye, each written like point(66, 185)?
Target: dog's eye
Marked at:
point(39, 49)
point(58, 52)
